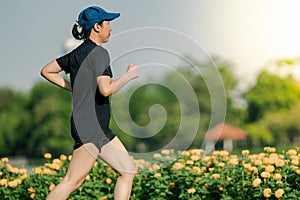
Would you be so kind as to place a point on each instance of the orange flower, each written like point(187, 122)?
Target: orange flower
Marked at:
point(216, 176)
point(245, 152)
point(270, 168)
point(178, 166)
point(265, 175)
point(234, 161)
point(47, 155)
point(279, 163)
point(292, 152)
point(277, 177)
point(195, 157)
point(267, 192)
point(63, 157)
point(256, 182)
point(258, 163)
point(51, 186)
point(279, 193)
point(157, 175)
point(4, 160)
point(108, 181)
point(171, 185)
point(191, 190)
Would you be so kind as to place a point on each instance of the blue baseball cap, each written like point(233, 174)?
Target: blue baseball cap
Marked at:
point(94, 14)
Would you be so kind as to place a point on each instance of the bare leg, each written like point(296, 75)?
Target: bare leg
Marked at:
point(115, 154)
point(80, 165)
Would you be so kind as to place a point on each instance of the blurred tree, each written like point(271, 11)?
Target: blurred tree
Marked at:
point(14, 122)
point(272, 118)
point(271, 93)
point(51, 110)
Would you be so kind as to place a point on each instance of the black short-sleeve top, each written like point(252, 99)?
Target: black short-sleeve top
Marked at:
point(91, 110)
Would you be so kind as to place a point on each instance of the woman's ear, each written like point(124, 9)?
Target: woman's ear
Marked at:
point(97, 27)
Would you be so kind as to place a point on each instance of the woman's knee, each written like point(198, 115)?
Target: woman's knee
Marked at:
point(129, 174)
point(72, 182)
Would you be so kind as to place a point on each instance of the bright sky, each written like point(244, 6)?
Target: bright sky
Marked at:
point(246, 32)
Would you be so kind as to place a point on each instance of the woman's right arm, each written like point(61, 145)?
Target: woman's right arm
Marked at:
point(51, 73)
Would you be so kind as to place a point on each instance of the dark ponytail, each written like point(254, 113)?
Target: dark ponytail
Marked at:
point(79, 33)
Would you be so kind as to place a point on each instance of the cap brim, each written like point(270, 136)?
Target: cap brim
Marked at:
point(111, 16)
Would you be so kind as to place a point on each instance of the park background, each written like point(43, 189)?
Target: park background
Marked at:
point(253, 45)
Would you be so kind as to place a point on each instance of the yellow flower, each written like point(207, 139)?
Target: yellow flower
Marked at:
point(13, 183)
point(63, 157)
point(165, 152)
point(279, 193)
point(108, 181)
point(221, 188)
point(258, 163)
point(171, 185)
point(157, 175)
point(32, 195)
point(292, 152)
point(279, 163)
point(216, 176)
point(270, 149)
point(196, 169)
point(51, 186)
point(247, 166)
point(267, 192)
point(270, 168)
point(185, 153)
point(189, 162)
point(206, 185)
point(195, 157)
point(103, 198)
point(234, 161)
point(3, 182)
point(277, 177)
point(265, 175)
point(157, 155)
point(297, 171)
point(191, 190)
point(221, 165)
point(155, 166)
point(256, 182)
point(87, 177)
point(245, 152)
point(295, 162)
point(197, 179)
point(206, 159)
point(254, 170)
point(31, 190)
point(196, 151)
point(0, 173)
point(22, 171)
point(178, 166)
point(70, 157)
point(47, 155)
point(4, 160)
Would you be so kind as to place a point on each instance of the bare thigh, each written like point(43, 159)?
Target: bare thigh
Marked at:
point(115, 154)
point(82, 162)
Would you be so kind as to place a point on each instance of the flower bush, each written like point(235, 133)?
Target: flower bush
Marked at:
point(172, 175)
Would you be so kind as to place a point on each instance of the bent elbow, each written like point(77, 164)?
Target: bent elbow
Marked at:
point(105, 92)
point(43, 72)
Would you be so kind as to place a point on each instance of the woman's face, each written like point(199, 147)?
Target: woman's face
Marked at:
point(105, 31)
